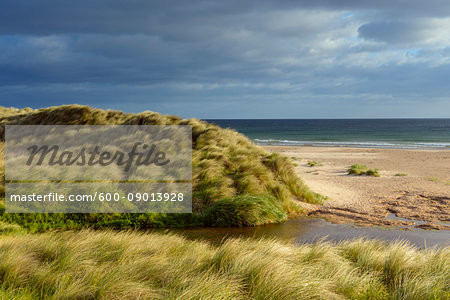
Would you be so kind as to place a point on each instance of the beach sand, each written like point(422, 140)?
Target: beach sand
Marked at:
point(421, 199)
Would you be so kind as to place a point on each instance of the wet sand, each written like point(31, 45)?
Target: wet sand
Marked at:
point(421, 199)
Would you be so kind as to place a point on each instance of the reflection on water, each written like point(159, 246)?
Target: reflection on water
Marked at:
point(307, 230)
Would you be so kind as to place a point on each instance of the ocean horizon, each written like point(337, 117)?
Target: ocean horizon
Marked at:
point(361, 133)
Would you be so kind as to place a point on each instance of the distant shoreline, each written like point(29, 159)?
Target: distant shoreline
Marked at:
point(352, 133)
point(359, 145)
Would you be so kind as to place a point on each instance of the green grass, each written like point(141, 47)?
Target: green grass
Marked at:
point(433, 179)
point(6, 228)
point(438, 180)
point(129, 265)
point(226, 165)
point(401, 174)
point(373, 172)
point(245, 211)
point(358, 169)
point(313, 163)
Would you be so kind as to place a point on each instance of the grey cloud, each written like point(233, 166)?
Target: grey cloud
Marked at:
point(394, 31)
point(140, 16)
point(205, 52)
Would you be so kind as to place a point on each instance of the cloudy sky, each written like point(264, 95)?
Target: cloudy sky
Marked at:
point(230, 59)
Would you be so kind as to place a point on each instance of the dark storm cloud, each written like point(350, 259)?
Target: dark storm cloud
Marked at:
point(395, 32)
point(165, 52)
point(141, 16)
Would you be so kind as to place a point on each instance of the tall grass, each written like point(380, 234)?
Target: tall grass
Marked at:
point(128, 265)
point(245, 211)
point(226, 166)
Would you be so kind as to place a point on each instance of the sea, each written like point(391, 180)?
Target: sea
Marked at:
point(363, 133)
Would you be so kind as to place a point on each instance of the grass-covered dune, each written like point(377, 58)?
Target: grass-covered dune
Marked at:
point(235, 182)
point(128, 265)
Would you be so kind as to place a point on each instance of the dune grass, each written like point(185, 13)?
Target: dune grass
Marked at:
point(129, 265)
point(433, 179)
point(245, 211)
point(358, 169)
point(6, 228)
point(373, 172)
point(313, 163)
point(226, 167)
point(235, 183)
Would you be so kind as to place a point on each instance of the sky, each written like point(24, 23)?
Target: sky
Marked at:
point(230, 59)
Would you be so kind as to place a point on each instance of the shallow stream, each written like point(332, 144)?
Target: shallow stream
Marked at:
point(307, 230)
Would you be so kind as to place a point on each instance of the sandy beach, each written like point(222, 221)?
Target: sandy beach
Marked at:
point(412, 192)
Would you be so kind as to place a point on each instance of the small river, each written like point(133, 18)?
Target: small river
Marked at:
point(307, 230)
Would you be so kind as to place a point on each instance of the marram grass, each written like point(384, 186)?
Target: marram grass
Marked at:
point(129, 265)
point(245, 211)
point(358, 169)
point(229, 172)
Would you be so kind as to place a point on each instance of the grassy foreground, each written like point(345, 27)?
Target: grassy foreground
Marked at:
point(129, 265)
point(231, 175)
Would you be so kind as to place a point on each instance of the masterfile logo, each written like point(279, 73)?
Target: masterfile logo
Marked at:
point(98, 169)
point(118, 152)
point(149, 155)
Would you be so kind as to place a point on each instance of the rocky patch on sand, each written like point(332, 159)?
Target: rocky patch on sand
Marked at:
point(407, 211)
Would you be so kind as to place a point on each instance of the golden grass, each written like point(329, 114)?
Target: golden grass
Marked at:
point(130, 265)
